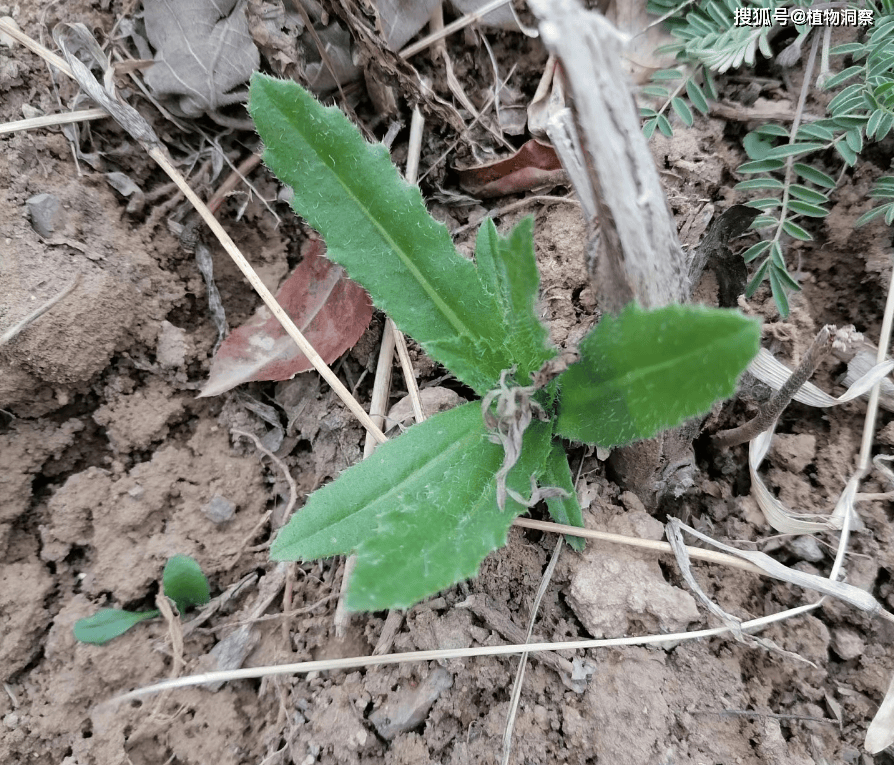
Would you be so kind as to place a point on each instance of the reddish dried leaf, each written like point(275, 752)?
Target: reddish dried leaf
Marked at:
point(331, 311)
point(535, 164)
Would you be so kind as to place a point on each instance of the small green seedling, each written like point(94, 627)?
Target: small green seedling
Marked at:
point(182, 581)
point(424, 510)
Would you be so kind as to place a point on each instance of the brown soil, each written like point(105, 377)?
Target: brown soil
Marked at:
point(107, 459)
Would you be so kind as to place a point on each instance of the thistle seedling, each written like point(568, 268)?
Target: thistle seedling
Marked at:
point(424, 510)
point(182, 581)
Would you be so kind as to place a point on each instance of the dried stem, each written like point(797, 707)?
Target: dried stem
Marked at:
point(36, 314)
point(820, 348)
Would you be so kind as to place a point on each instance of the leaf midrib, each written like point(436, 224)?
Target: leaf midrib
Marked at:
point(452, 318)
point(636, 375)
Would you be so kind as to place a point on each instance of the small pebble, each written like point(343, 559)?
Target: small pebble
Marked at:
point(807, 548)
point(46, 214)
point(219, 509)
point(847, 643)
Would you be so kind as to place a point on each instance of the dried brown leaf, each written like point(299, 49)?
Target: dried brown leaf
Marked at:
point(330, 310)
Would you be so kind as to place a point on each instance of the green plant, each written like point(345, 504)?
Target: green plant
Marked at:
point(884, 190)
point(182, 581)
point(793, 191)
point(425, 509)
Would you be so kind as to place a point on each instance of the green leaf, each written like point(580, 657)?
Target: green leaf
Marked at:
point(655, 91)
point(850, 121)
point(878, 65)
point(564, 510)
point(786, 279)
point(776, 254)
point(664, 126)
point(508, 266)
point(773, 130)
point(836, 79)
point(876, 212)
point(766, 203)
point(764, 221)
point(108, 623)
point(807, 195)
point(794, 230)
point(761, 166)
point(881, 31)
point(338, 517)
point(874, 120)
point(647, 112)
point(415, 550)
point(759, 184)
point(683, 111)
point(697, 96)
point(756, 250)
point(756, 280)
point(420, 512)
point(819, 132)
point(814, 176)
point(793, 149)
point(184, 583)
point(847, 49)
point(710, 85)
point(842, 100)
point(756, 145)
point(649, 127)
point(376, 226)
point(646, 370)
point(846, 152)
point(884, 126)
point(665, 75)
point(805, 208)
point(779, 293)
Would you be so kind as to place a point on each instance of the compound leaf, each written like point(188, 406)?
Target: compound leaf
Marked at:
point(643, 371)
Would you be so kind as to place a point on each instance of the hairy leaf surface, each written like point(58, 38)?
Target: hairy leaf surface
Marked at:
point(416, 550)
point(375, 225)
point(421, 511)
point(564, 510)
point(508, 266)
point(643, 371)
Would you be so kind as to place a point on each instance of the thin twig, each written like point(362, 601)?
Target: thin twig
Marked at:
point(49, 120)
point(356, 662)
point(460, 23)
point(711, 556)
point(818, 350)
point(293, 487)
point(36, 314)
